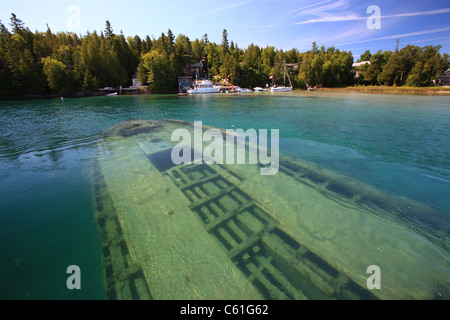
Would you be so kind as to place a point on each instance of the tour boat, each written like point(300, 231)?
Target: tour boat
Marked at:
point(202, 87)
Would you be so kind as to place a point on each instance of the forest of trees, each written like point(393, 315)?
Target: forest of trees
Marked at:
point(411, 66)
point(43, 63)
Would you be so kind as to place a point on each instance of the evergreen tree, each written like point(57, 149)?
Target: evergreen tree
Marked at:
point(16, 24)
point(229, 67)
point(197, 49)
point(267, 60)
point(170, 41)
point(278, 68)
point(314, 47)
point(225, 44)
point(214, 59)
point(109, 32)
point(205, 39)
point(252, 57)
point(135, 44)
point(147, 45)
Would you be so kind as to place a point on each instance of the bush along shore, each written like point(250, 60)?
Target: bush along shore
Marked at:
point(45, 64)
point(392, 90)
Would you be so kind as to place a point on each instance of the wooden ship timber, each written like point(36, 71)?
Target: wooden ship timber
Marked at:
point(199, 231)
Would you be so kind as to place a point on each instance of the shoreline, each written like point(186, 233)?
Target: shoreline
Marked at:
point(79, 94)
point(430, 91)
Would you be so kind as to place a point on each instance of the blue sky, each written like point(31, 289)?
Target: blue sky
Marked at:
point(285, 24)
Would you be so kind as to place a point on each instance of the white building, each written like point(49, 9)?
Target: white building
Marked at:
point(357, 64)
point(136, 83)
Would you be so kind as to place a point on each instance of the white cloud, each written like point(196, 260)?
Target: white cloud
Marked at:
point(354, 17)
point(397, 36)
point(416, 33)
point(322, 11)
point(267, 26)
point(306, 7)
point(226, 7)
point(351, 17)
point(422, 13)
point(433, 39)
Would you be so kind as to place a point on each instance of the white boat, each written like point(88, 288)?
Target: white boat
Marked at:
point(202, 87)
point(112, 94)
point(283, 88)
point(242, 90)
point(259, 89)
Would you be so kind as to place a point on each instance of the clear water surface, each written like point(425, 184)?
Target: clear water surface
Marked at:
point(400, 144)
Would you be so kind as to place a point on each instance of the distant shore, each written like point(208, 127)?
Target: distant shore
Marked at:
point(80, 94)
point(392, 90)
point(357, 89)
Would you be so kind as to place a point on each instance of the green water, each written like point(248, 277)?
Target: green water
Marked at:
point(399, 144)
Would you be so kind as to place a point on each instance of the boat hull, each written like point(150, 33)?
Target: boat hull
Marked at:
point(203, 87)
point(214, 90)
point(281, 89)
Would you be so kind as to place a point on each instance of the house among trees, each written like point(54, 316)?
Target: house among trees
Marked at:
point(194, 69)
point(355, 68)
point(190, 73)
point(135, 81)
point(293, 68)
point(444, 79)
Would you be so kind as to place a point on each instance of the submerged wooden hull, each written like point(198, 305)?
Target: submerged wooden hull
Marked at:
point(224, 232)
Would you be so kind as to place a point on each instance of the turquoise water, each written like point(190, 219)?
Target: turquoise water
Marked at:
point(397, 143)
